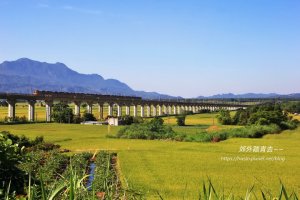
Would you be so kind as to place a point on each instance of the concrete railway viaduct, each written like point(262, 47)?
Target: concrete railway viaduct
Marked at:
point(146, 107)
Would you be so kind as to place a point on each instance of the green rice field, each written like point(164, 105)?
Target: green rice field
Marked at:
point(176, 170)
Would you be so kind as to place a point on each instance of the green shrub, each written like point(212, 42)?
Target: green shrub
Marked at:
point(77, 119)
point(205, 136)
point(253, 131)
point(62, 113)
point(292, 107)
point(291, 124)
point(150, 130)
point(30, 145)
point(10, 173)
point(265, 114)
point(127, 120)
point(88, 117)
point(180, 120)
point(16, 119)
point(105, 177)
point(138, 120)
point(224, 117)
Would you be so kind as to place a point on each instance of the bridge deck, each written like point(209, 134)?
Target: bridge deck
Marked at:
point(99, 98)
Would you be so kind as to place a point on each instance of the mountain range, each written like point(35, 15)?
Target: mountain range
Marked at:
point(25, 75)
point(250, 96)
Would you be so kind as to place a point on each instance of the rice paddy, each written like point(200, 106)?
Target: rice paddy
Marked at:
point(177, 169)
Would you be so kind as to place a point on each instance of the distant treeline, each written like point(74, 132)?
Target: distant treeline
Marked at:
point(265, 114)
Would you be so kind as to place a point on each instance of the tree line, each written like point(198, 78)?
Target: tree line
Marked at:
point(265, 114)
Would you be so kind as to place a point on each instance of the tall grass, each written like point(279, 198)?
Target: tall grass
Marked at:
point(207, 191)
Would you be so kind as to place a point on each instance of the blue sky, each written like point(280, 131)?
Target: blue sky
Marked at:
point(187, 48)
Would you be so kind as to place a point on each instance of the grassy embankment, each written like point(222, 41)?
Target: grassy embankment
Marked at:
point(177, 169)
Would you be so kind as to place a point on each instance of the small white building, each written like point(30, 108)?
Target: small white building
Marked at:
point(113, 121)
point(91, 123)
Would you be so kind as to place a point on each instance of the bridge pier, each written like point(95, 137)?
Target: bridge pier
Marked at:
point(110, 109)
point(142, 111)
point(119, 110)
point(90, 107)
point(178, 109)
point(77, 108)
point(193, 109)
point(169, 109)
point(186, 108)
point(159, 110)
point(31, 110)
point(49, 105)
point(127, 110)
point(174, 110)
point(134, 110)
point(100, 110)
point(148, 110)
point(11, 109)
point(154, 110)
point(165, 109)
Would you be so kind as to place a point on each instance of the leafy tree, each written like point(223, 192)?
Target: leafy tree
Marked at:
point(127, 120)
point(62, 113)
point(156, 122)
point(3, 103)
point(138, 120)
point(84, 105)
point(88, 117)
point(265, 114)
point(241, 117)
point(224, 117)
point(270, 117)
point(10, 158)
point(155, 129)
point(292, 107)
point(180, 120)
point(77, 119)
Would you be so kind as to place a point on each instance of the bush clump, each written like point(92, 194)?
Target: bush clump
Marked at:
point(15, 120)
point(88, 117)
point(252, 131)
point(62, 113)
point(180, 120)
point(155, 129)
point(266, 114)
point(204, 136)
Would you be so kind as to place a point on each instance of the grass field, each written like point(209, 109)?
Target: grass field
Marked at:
point(177, 169)
point(204, 119)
